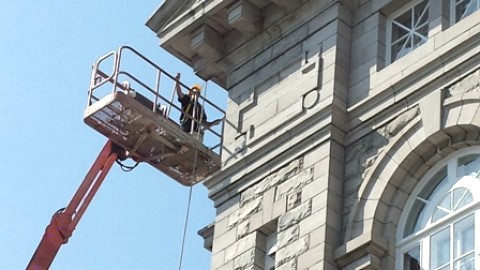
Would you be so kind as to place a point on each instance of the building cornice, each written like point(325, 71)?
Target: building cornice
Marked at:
point(166, 12)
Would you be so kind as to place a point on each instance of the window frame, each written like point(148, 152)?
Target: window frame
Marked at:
point(453, 12)
point(422, 237)
point(389, 28)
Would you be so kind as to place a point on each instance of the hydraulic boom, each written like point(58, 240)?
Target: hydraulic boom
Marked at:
point(66, 219)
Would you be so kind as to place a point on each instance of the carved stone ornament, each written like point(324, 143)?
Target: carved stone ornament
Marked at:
point(310, 99)
point(465, 85)
point(392, 128)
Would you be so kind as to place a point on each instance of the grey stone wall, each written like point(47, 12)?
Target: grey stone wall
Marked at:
point(325, 140)
point(297, 198)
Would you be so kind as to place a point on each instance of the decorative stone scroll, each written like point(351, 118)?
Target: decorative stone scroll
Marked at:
point(392, 128)
point(468, 84)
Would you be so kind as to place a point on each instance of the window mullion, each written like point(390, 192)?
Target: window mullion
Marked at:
point(425, 257)
point(455, 207)
point(477, 239)
point(452, 244)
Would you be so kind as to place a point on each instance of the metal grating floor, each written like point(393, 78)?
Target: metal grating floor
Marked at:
point(151, 137)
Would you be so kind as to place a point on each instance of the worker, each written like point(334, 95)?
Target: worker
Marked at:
point(191, 107)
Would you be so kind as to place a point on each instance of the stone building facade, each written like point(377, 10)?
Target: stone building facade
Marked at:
point(352, 135)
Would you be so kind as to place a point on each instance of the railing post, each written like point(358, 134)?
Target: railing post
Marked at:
point(92, 83)
point(116, 68)
point(157, 89)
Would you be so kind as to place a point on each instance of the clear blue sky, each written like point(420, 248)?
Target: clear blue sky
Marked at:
point(136, 220)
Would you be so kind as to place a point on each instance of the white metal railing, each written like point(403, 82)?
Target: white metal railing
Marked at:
point(156, 88)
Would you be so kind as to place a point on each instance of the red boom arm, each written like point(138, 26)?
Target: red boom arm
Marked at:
point(65, 220)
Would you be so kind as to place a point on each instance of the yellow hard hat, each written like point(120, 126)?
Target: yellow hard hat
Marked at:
point(196, 88)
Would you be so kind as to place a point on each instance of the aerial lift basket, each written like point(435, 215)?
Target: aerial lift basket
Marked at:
point(142, 120)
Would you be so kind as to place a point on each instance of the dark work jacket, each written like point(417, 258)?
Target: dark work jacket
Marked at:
point(187, 105)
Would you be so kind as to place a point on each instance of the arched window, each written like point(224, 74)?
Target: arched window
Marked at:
point(439, 227)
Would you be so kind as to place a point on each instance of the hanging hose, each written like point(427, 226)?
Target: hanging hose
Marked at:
point(185, 225)
point(187, 214)
point(126, 168)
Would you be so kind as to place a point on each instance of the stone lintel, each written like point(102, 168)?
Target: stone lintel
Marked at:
point(207, 43)
point(244, 16)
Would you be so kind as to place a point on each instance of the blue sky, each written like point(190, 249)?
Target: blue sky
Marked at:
point(136, 219)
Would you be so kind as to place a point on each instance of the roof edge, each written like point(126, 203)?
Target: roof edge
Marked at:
point(165, 13)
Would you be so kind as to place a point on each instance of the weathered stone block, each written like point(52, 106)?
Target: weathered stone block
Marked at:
point(256, 221)
point(227, 266)
point(227, 208)
point(217, 260)
point(279, 207)
point(288, 236)
point(292, 251)
point(245, 260)
point(311, 257)
point(221, 226)
point(290, 265)
point(242, 245)
point(249, 208)
point(268, 200)
point(294, 183)
point(295, 216)
point(243, 229)
point(312, 223)
point(223, 241)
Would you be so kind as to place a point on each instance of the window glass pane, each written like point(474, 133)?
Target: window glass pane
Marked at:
point(438, 214)
point(399, 33)
point(466, 200)
point(405, 19)
point(401, 48)
point(466, 263)
point(465, 8)
point(421, 14)
point(464, 236)
point(422, 34)
point(469, 165)
point(437, 182)
point(440, 248)
point(417, 217)
point(446, 202)
point(415, 214)
point(411, 259)
point(458, 195)
point(443, 208)
point(461, 198)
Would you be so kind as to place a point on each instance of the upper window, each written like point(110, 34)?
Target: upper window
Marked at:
point(462, 8)
point(438, 226)
point(407, 29)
